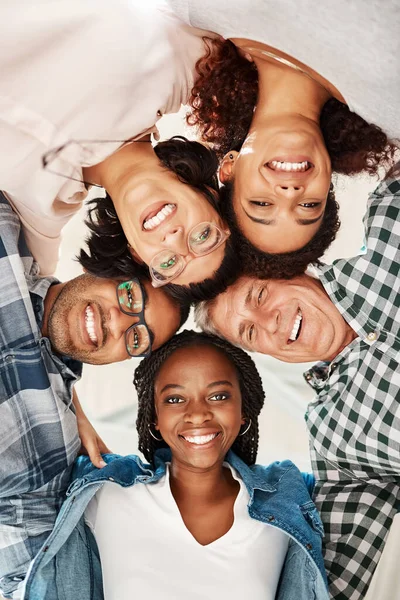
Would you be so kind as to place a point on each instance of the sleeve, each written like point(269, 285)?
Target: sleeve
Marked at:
point(309, 480)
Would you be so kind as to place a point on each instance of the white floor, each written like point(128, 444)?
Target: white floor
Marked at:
point(107, 392)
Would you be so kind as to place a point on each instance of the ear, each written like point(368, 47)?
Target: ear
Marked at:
point(227, 167)
point(156, 426)
point(243, 420)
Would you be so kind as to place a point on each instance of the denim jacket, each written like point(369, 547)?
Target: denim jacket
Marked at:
point(68, 565)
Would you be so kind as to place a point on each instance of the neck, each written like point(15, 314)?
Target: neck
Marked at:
point(283, 90)
point(200, 486)
point(113, 172)
point(349, 336)
point(49, 300)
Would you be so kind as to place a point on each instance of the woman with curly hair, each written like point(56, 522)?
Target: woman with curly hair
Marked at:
point(292, 95)
point(201, 519)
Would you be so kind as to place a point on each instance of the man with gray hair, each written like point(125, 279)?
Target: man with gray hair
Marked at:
point(348, 318)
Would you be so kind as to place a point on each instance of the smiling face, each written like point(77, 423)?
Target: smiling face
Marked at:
point(198, 406)
point(294, 320)
point(157, 214)
point(85, 322)
point(281, 176)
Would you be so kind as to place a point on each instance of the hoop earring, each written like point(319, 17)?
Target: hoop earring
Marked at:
point(152, 434)
point(246, 430)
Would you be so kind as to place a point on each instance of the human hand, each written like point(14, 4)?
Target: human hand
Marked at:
point(92, 444)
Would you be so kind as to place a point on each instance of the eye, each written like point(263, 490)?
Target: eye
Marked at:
point(257, 203)
point(250, 333)
point(260, 296)
point(310, 204)
point(173, 400)
point(136, 338)
point(219, 397)
point(202, 236)
point(168, 264)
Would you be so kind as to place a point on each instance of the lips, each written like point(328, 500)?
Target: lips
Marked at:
point(91, 327)
point(156, 214)
point(296, 327)
point(199, 439)
point(295, 167)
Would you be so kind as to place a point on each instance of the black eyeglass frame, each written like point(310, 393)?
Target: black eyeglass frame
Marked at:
point(139, 315)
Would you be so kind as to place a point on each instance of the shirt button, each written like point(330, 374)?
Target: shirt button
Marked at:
point(309, 546)
point(271, 518)
point(372, 336)
point(308, 377)
point(8, 358)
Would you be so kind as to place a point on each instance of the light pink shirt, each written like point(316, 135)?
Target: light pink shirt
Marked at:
point(81, 70)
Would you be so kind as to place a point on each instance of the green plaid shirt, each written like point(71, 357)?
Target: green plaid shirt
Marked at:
point(354, 421)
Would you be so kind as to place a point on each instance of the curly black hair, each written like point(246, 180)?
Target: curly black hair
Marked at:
point(108, 254)
point(252, 392)
point(265, 265)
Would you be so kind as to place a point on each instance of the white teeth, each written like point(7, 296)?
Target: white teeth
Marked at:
point(200, 439)
point(162, 214)
point(289, 166)
point(89, 322)
point(296, 326)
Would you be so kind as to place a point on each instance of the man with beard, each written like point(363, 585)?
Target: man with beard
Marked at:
point(46, 329)
point(348, 317)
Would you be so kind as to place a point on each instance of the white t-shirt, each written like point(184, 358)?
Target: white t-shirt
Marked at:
point(81, 70)
point(145, 546)
point(354, 44)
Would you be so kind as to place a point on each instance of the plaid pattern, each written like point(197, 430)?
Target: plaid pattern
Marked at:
point(38, 434)
point(354, 421)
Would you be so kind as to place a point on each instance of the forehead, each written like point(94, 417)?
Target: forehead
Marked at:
point(193, 364)
point(161, 313)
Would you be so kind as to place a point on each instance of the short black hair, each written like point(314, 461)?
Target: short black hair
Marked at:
point(108, 254)
point(265, 265)
point(252, 392)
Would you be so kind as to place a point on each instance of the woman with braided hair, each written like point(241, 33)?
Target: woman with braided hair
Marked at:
point(201, 519)
point(291, 94)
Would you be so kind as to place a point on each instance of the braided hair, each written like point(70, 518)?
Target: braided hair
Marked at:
point(245, 446)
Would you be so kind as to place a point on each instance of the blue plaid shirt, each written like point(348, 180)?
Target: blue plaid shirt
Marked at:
point(38, 432)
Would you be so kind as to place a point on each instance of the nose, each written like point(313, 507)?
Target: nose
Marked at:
point(174, 239)
point(118, 322)
point(198, 412)
point(271, 321)
point(286, 190)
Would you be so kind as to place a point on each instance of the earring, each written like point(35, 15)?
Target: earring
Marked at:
point(231, 156)
point(246, 430)
point(152, 434)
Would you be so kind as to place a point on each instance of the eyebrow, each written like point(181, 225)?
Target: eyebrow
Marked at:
point(171, 386)
point(247, 301)
point(273, 222)
point(145, 302)
point(221, 382)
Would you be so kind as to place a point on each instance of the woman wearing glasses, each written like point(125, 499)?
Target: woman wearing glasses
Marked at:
point(201, 520)
point(84, 84)
point(288, 101)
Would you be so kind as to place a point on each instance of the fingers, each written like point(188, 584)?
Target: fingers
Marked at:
point(93, 451)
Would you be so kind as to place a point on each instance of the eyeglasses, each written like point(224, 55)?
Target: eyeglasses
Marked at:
point(202, 239)
point(131, 300)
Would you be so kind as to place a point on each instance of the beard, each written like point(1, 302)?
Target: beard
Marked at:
point(76, 291)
